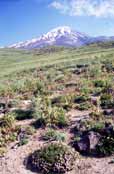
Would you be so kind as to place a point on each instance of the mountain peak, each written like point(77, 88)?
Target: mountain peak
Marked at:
point(62, 29)
point(60, 36)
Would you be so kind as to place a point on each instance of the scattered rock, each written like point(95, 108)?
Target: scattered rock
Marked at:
point(88, 142)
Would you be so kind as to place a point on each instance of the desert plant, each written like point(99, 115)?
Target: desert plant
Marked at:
point(53, 158)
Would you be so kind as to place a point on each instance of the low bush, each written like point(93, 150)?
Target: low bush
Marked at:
point(84, 106)
point(52, 135)
point(29, 130)
point(2, 151)
point(97, 116)
point(24, 114)
point(81, 99)
point(40, 122)
point(23, 141)
point(99, 83)
point(58, 117)
point(106, 146)
point(53, 158)
point(98, 126)
point(7, 121)
point(64, 101)
point(53, 117)
point(107, 101)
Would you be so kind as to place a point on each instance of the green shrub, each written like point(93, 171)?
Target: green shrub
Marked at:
point(84, 125)
point(29, 130)
point(97, 91)
point(64, 101)
point(53, 158)
point(23, 141)
point(109, 66)
point(97, 116)
point(24, 114)
point(94, 71)
point(52, 135)
point(58, 117)
point(106, 146)
point(2, 151)
point(81, 98)
point(7, 121)
point(84, 106)
point(98, 126)
point(99, 83)
point(2, 142)
point(107, 101)
point(52, 116)
point(40, 122)
point(12, 137)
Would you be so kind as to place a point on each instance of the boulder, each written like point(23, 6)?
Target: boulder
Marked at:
point(93, 138)
point(94, 101)
point(88, 142)
point(109, 112)
point(26, 104)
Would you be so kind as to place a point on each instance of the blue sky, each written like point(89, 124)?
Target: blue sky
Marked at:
point(25, 19)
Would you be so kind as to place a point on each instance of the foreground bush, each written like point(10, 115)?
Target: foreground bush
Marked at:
point(53, 158)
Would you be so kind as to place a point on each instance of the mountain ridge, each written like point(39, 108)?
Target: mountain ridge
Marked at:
point(61, 36)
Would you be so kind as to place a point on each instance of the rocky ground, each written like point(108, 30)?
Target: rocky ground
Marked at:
point(14, 160)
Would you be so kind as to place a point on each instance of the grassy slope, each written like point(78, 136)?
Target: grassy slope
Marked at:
point(17, 60)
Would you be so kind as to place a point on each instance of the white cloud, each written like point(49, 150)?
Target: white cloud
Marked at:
point(98, 8)
point(56, 5)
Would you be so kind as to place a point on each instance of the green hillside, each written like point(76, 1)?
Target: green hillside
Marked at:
point(12, 61)
point(59, 101)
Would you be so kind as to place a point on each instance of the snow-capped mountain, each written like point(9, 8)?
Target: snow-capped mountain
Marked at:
point(61, 36)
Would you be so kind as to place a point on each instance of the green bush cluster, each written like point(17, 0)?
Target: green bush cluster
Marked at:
point(107, 101)
point(53, 116)
point(7, 121)
point(53, 158)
